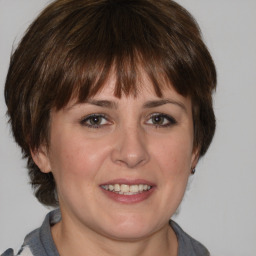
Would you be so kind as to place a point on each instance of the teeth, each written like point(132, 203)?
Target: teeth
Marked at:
point(111, 187)
point(117, 188)
point(134, 188)
point(124, 189)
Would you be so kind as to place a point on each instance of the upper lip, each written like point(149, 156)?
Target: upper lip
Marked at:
point(128, 182)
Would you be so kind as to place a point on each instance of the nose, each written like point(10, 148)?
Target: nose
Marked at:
point(130, 148)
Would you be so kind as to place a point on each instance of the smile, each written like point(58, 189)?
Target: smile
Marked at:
point(124, 189)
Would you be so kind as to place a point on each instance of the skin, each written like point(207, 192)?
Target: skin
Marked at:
point(127, 143)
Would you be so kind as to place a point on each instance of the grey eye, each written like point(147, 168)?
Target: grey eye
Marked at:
point(161, 120)
point(95, 120)
point(157, 119)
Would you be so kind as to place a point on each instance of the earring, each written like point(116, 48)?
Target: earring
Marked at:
point(193, 170)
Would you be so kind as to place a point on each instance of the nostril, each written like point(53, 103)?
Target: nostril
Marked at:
point(130, 159)
point(130, 148)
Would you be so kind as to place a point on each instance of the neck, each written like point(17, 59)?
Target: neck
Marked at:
point(87, 242)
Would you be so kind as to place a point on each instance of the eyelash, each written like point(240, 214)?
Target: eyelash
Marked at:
point(85, 121)
point(170, 120)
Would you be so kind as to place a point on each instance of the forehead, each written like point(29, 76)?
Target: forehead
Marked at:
point(143, 87)
point(145, 96)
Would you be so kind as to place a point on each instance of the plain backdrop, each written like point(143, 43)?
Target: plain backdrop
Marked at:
point(220, 207)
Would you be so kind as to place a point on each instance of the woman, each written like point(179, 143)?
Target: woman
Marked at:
point(111, 103)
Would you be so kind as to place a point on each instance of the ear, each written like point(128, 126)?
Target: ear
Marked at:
point(195, 158)
point(41, 159)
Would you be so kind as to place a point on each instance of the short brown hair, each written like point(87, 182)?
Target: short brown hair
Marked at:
point(71, 48)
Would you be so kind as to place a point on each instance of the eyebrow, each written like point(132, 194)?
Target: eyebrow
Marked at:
point(103, 103)
point(148, 104)
point(158, 103)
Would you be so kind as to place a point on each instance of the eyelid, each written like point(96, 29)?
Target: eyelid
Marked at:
point(168, 120)
point(171, 120)
point(86, 118)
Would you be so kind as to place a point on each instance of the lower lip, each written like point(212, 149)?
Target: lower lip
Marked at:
point(129, 199)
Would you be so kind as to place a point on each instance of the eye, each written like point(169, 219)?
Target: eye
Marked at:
point(95, 121)
point(161, 120)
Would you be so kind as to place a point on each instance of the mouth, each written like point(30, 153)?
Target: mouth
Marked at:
point(125, 189)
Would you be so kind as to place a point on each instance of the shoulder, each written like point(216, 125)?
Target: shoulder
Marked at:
point(39, 241)
point(187, 244)
point(8, 252)
point(25, 251)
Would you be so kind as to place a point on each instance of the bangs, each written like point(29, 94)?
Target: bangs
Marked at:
point(119, 38)
point(127, 70)
point(112, 47)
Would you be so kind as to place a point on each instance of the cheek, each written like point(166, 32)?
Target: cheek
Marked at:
point(74, 156)
point(76, 167)
point(174, 154)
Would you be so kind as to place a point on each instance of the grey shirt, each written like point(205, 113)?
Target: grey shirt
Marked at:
point(40, 242)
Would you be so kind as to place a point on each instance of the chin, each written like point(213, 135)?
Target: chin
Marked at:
point(129, 235)
point(131, 229)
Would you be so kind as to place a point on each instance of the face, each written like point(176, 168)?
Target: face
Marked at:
point(121, 165)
